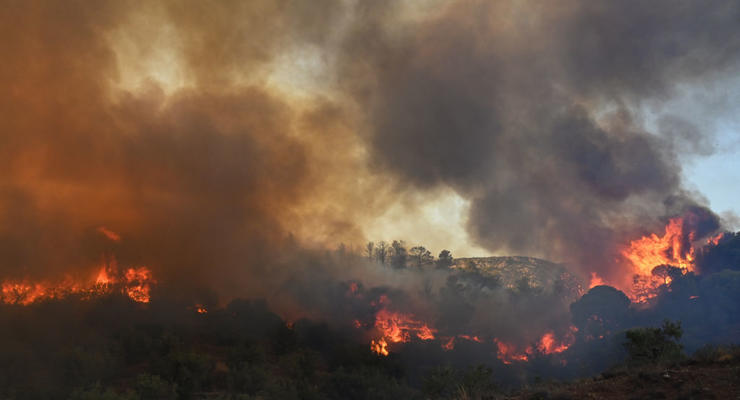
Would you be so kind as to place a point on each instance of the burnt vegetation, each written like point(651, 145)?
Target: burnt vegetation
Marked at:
point(111, 347)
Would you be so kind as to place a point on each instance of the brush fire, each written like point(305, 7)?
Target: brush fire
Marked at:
point(346, 199)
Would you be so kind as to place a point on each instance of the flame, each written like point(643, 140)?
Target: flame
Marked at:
point(714, 240)
point(548, 344)
point(650, 251)
point(449, 342)
point(200, 309)
point(109, 234)
point(138, 282)
point(397, 327)
point(379, 347)
point(674, 248)
point(507, 352)
point(135, 283)
point(595, 281)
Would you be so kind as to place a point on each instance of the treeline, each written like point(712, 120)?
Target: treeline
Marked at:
point(396, 255)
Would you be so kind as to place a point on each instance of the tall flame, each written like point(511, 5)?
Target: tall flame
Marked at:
point(650, 251)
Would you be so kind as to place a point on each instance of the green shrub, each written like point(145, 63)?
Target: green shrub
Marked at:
point(654, 345)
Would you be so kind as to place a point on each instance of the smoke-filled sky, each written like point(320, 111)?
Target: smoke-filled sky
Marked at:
point(210, 134)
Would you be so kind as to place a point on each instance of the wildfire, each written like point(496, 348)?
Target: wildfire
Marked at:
point(397, 327)
point(449, 343)
point(135, 283)
point(548, 344)
point(380, 347)
point(595, 281)
point(714, 240)
point(507, 352)
point(650, 251)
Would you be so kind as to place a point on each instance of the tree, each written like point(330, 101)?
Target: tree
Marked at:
point(445, 260)
point(381, 252)
point(369, 250)
point(399, 254)
point(601, 311)
point(666, 272)
point(654, 345)
point(421, 256)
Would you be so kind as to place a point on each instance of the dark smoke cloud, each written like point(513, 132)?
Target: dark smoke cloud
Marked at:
point(533, 112)
point(529, 110)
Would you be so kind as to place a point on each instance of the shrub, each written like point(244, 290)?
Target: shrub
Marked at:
point(654, 345)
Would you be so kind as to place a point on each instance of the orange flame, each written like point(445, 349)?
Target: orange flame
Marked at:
point(397, 327)
point(507, 352)
point(714, 240)
point(650, 251)
point(595, 281)
point(548, 344)
point(380, 347)
point(136, 283)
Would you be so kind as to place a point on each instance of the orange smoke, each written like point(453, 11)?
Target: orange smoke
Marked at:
point(109, 234)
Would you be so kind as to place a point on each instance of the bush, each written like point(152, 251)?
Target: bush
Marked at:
point(654, 345)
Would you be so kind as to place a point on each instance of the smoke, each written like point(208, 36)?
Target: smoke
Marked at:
point(542, 114)
point(220, 141)
point(200, 181)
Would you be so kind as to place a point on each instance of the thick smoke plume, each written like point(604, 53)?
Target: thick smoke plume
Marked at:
point(216, 172)
point(534, 112)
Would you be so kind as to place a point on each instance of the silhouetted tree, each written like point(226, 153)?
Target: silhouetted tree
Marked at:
point(421, 256)
point(444, 260)
point(601, 311)
point(370, 250)
point(381, 252)
point(399, 256)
